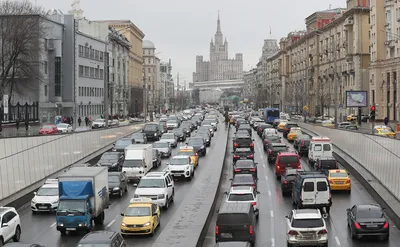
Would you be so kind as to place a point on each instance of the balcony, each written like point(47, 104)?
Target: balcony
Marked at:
point(390, 43)
point(389, 3)
point(349, 22)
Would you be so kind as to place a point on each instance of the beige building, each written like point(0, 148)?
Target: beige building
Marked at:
point(151, 74)
point(302, 72)
point(385, 58)
point(250, 84)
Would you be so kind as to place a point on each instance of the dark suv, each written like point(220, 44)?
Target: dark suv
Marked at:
point(112, 160)
point(242, 154)
point(287, 128)
point(103, 238)
point(274, 149)
point(243, 141)
point(152, 131)
point(324, 164)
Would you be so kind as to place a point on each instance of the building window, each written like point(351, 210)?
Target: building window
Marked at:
point(87, 71)
point(92, 72)
point(149, 70)
point(119, 64)
point(101, 74)
point(96, 73)
point(81, 71)
point(80, 91)
point(96, 55)
point(101, 56)
point(80, 50)
point(91, 53)
point(45, 67)
point(57, 77)
point(45, 90)
point(86, 51)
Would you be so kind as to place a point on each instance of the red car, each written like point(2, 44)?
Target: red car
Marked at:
point(285, 160)
point(48, 129)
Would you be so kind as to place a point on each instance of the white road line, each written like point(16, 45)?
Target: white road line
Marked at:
point(272, 242)
point(269, 192)
point(52, 225)
point(272, 214)
point(266, 177)
point(264, 165)
point(337, 241)
point(110, 224)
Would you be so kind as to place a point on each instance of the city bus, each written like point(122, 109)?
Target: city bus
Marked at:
point(271, 114)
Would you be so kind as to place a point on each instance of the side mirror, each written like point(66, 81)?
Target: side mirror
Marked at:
point(35, 193)
point(169, 185)
point(348, 210)
point(258, 192)
point(231, 179)
point(122, 214)
point(286, 216)
point(256, 163)
point(217, 210)
point(225, 193)
point(252, 140)
point(4, 225)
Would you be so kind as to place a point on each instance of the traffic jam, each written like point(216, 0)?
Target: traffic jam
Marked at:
point(308, 175)
point(81, 196)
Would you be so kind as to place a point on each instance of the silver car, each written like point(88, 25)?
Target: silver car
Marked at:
point(170, 138)
point(163, 147)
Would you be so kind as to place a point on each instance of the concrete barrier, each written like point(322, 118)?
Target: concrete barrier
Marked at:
point(26, 162)
point(188, 226)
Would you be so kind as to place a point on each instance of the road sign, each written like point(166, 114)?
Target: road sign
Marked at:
point(340, 105)
point(305, 108)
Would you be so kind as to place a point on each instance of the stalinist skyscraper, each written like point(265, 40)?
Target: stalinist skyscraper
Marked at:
point(220, 67)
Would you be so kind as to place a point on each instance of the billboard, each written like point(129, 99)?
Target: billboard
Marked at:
point(356, 99)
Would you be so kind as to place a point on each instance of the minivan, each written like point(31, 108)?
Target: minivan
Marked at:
point(236, 222)
point(311, 190)
point(319, 147)
point(285, 160)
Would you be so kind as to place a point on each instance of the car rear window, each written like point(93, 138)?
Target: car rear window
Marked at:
point(292, 125)
point(307, 223)
point(327, 147)
point(241, 197)
point(322, 186)
point(328, 164)
point(289, 159)
point(308, 187)
point(278, 149)
point(338, 175)
point(233, 219)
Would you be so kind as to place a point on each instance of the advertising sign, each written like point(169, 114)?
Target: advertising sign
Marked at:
point(356, 99)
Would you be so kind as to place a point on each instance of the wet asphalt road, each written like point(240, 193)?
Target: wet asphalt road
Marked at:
point(271, 230)
point(41, 228)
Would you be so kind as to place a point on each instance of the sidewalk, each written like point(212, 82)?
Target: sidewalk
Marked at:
point(13, 132)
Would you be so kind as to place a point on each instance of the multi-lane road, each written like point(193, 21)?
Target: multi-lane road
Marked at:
point(271, 231)
point(41, 228)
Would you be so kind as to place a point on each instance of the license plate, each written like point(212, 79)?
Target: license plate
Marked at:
point(226, 235)
point(340, 182)
point(245, 171)
point(243, 158)
point(42, 207)
point(71, 229)
point(372, 225)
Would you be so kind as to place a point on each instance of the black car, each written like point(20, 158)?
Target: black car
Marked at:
point(247, 127)
point(302, 148)
point(287, 180)
point(244, 180)
point(206, 137)
point(276, 123)
point(112, 160)
point(152, 131)
point(243, 141)
point(323, 164)
point(103, 238)
point(242, 154)
point(179, 134)
point(240, 121)
point(367, 220)
point(198, 144)
point(156, 158)
point(262, 127)
point(139, 138)
point(274, 149)
point(163, 127)
point(117, 183)
point(287, 128)
point(204, 129)
point(270, 139)
point(299, 139)
point(245, 167)
point(186, 130)
point(121, 144)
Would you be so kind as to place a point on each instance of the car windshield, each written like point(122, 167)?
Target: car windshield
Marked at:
point(272, 113)
point(99, 120)
point(151, 183)
point(150, 127)
point(279, 149)
point(62, 126)
point(273, 138)
point(160, 145)
point(137, 211)
point(76, 205)
point(113, 179)
point(123, 142)
point(132, 163)
point(385, 131)
point(208, 122)
point(110, 156)
point(195, 142)
point(241, 197)
point(171, 122)
point(288, 159)
point(297, 132)
point(182, 161)
point(47, 126)
point(168, 136)
point(47, 192)
point(369, 214)
point(307, 223)
point(137, 136)
point(186, 153)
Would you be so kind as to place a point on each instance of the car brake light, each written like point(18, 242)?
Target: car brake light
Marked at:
point(216, 230)
point(348, 181)
point(250, 156)
point(285, 182)
point(292, 233)
point(302, 143)
point(278, 167)
point(386, 225)
point(254, 186)
point(254, 203)
point(235, 144)
point(270, 151)
point(235, 156)
point(279, 141)
point(253, 169)
point(196, 154)
point(237, 170)
point(266, 141)
point(357, 226)
point(251, 144)
point(330, 181)
point(260, 129)
point(322, 232)
point(251, 230)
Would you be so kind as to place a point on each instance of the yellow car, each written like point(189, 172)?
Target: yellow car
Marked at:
point(189, 151)
point(281, 126)
point(384, 131)
point(293, 133)
point(351, 117)
point(327, 123)
point(339, 180)
point(141, 217)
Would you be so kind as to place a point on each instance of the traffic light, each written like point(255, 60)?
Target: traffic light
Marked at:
point(372, 113)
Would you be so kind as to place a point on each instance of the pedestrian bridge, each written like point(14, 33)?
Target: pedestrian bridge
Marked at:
point(226, 84)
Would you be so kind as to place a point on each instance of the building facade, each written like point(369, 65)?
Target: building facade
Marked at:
point(250, 84)
point(220, 66)
point(167, 84)
point(150, 74)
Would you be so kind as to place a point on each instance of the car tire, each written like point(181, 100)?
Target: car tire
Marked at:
point(353, 236)
point(166, 204)
point(17, 235)
point(126, 188)
point(63, 233)
point(289, 245)
point(121, 193)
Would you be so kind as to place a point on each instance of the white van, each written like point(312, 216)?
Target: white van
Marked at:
point(319, 147)
point(138, 161)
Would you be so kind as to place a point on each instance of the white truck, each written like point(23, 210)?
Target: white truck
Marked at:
point(83, 198)
point(138, 161)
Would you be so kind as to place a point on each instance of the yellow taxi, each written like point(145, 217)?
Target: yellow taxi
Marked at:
point(189, 151)
point(327, 123)
point(339, 180)
point(351, 117)
point(281, 125)
point(384, 131)
point(293, 133)
point(142, 217)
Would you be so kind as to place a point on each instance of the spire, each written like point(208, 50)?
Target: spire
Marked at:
point(218, 24)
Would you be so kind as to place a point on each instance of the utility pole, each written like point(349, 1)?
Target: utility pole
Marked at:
point(106, 90)
point(177, 89)
point(305, 87)
point(145, 97)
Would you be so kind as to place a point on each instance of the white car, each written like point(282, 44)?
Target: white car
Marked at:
point(99, 123)
point(10, 225)
point(181, 166)
point(64, 128)
point(306, 227)
point(243, 194)
point(159, 186)
point(170, 138)
point(46, 198)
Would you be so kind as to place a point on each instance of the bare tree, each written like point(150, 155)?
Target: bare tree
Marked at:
point(21, 31)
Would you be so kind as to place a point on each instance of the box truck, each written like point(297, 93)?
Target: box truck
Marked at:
point(138, 161)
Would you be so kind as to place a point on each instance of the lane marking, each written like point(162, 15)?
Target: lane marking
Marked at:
point(272, 214)
point(269, 192)
point(110, 224)
point(264, 165)
point(266, 177)
point(272, 242)
point(337, 241)
point(52, 225)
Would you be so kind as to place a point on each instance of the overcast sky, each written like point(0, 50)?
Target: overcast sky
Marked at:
point(182, 29)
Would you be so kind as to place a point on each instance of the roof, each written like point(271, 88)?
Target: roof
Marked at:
point(180, 157)
point(147, 44)
point(98, 237)
point(337, 171)
point(3, 209)
point(288, 154)
point(237, 189)
point(368, 206)
point(307, 214)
